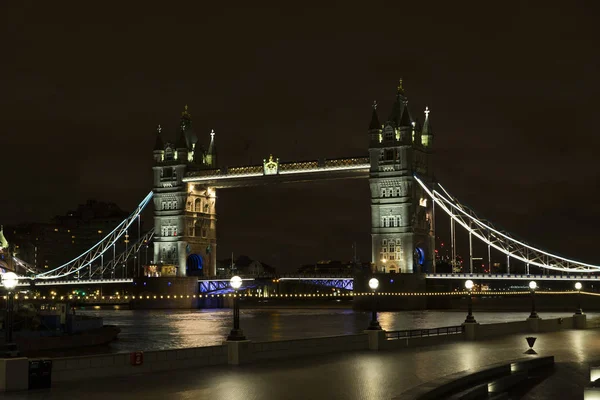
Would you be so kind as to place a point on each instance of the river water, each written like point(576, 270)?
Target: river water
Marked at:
point(169, 329)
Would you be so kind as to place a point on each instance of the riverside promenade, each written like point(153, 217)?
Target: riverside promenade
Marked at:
point(352, 375)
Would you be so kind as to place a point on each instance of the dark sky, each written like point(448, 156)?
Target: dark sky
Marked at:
point(513, 91)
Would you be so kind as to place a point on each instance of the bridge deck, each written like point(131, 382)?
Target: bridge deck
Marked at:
point(306, 171)
point(573, 277)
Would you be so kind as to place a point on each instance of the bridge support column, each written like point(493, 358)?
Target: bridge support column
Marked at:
point(534, 324)
point(14, 374)
point(579, 321)
point(238, 352)
point(377, 339)
point(470, 330)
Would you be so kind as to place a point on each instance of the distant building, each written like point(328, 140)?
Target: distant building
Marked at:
point(334, 267)
point(49, 245)
point(243, 265)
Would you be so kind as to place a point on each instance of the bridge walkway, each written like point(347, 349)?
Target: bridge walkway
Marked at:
point(351, 376)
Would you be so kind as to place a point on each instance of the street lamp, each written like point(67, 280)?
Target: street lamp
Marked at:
point(532, 287)
point(470, 319)
point(578, 287)
point(9, 281)
point(374, 325)
point(236, 333)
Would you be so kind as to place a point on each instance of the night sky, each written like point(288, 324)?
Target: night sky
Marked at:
point(513, 93)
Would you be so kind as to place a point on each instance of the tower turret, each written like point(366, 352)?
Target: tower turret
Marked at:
point(406, 125)
point(211, 154)
point(427, 133)
point(182, 147)
point(159, 146)
point(191, 139)
point(374, 126)
point(200, 155)
point(3, 241)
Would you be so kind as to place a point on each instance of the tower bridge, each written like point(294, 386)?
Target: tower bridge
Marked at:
point(404, 202)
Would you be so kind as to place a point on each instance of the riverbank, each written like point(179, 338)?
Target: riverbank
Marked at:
point(358, 374)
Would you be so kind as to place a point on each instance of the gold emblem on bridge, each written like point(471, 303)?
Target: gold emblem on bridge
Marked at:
point(271, 167)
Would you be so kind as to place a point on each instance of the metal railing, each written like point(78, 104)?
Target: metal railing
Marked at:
point(446, 330)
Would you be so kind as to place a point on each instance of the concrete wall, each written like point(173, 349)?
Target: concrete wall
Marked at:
point(75, 368)
point(305, 347)
point(544, 325)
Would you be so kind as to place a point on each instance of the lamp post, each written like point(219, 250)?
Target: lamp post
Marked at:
point(470, 319)
point(578, 287)
point(532, 287)
point(9, 281)
point(236, 333)
point(374, 325)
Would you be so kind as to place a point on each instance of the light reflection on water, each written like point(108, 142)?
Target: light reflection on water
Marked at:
point(168, 329)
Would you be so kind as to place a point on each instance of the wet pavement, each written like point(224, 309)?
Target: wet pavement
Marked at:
point(356, 375)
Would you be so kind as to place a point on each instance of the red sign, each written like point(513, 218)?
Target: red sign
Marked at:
point(136, 358)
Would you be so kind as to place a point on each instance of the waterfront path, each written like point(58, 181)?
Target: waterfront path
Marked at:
point(356, 375)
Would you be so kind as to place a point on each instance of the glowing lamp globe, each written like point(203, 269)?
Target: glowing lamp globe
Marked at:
point(469, 284)
point(10, 280)
point(235, 282)
point(578, 286)
point(532, 285)
point(374, 283)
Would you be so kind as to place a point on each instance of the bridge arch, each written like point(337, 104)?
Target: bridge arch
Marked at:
point(195, 264)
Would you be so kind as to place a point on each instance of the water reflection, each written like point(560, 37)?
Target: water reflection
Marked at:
point(165, 329)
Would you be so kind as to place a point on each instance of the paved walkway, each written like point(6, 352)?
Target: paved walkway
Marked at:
point(357, 375)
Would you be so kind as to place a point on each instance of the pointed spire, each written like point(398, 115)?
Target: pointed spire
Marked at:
point(199, 154)
point(399, 105)
point(400, 87)
point(3, 241)
point(426, 125)
point(212, 146)
point(159, 145)
point(186, 119)
point(211, 154)
point(182, 142)
point(406, 120)
point(374, 118)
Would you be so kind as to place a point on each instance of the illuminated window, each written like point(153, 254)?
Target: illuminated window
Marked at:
point(55, 229)
point(73, 237)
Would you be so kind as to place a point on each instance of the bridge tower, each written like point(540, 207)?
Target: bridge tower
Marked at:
point(402, 228)
point(184, 213)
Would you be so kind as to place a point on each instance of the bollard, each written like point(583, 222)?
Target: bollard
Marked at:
point(530, 342)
